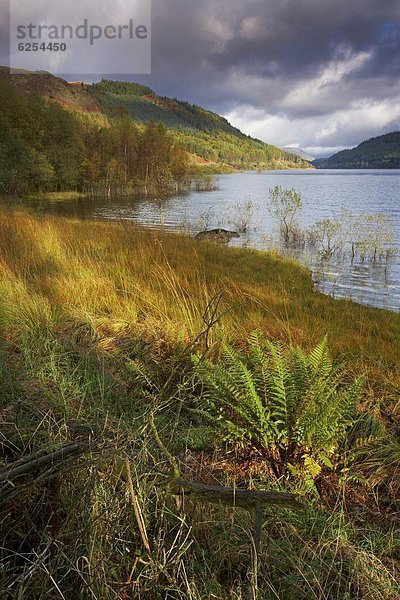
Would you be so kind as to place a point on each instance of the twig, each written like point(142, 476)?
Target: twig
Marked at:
point(37, 461)
point(171, 459)
point(35, 468)
point(136, 508)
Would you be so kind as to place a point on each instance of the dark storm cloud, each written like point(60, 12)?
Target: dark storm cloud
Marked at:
point(314, 72)
point(201, 45)
point(295, 60)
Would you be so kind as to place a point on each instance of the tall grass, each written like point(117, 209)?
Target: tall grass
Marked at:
point(119, 279)
point(97, 322)
point(115, 271)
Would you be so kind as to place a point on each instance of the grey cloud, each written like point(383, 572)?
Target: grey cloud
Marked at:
point(292, 41)
point(268, 50)
point(4, 32)
point(285, 58)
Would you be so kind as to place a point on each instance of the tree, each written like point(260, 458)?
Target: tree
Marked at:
point(160, 160)
point(242, 215)
point(126, 139)
point(377, 233)
point(22, 168)
point(63, 146)
point(329, 234)
point(285, 206)
point(370, 235)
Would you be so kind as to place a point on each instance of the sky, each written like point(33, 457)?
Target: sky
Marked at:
point(321, 75)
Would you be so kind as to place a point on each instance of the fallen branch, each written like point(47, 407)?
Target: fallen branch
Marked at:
point(248, 499)
point(252, 500)
point(32, 468)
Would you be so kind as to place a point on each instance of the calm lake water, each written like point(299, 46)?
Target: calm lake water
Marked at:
point(324, 193)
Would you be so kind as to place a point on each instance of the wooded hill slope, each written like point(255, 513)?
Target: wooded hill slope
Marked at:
point(207, 137)
point(382, 152)
point(203, 133)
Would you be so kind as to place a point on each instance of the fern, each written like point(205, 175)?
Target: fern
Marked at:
point(291, 404)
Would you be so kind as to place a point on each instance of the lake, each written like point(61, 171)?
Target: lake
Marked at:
point(324, 193)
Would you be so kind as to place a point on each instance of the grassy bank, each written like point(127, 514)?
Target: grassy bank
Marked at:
point(99, 325)
point(57, 196)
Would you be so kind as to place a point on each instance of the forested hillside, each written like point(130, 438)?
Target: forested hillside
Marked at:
point(381, 152)
point(41, 147)
point(113, 137)
point(203, 133)
point(44, 147)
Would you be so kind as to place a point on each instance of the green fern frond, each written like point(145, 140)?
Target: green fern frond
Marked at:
point(142, 374)
point(319, 359)
point(280, 398)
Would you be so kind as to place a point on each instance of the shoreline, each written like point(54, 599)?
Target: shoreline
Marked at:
point(163, 230)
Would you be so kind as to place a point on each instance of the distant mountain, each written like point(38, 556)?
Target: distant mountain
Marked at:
point(299, 152)
point(382, 152)
point(210, 139)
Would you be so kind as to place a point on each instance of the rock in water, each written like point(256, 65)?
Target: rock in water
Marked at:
point(219, 236)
